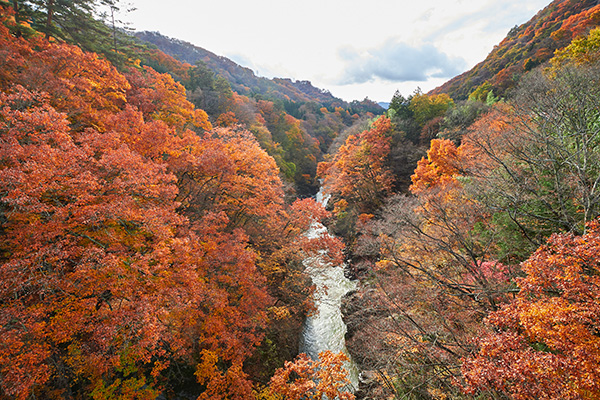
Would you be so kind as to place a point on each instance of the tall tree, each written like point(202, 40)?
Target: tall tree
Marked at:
point(426, 107)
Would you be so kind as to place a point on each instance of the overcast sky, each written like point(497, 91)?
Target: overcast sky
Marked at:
point(355, 49)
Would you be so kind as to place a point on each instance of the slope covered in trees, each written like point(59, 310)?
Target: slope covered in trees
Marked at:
point(151, 245)
point(478, 279)
point(525, 47)
point(143, 252)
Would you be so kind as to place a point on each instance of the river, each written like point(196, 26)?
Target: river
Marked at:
point(325, 330)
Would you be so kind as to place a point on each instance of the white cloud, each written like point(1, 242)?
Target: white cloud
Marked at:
point(395, 61)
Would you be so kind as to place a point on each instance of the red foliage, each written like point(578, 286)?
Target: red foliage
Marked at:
point(546, 343)
point(227, 119)
point(87, 217)
point(104, 281)
point(129, 242)
point(577, 24)
point(549, 30)
point(83, 86)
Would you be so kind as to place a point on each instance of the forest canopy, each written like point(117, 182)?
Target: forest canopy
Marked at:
point(153, 219)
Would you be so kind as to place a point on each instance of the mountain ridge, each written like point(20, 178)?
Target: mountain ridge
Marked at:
point(525, 47)
point(242, 79)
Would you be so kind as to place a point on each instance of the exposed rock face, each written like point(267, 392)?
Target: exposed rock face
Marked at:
point(359, 308)
point(368, 386)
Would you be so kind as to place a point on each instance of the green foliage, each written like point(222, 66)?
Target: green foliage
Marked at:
point(511, 243)
point(530, 64)
point(400, 107)
point(365, 107)
point(458, 119)
point(426, 107)
point(490, 99)
point(130, 385)
point(222, 86)
point(481, 92)
point(78, 22)
point(201, 77)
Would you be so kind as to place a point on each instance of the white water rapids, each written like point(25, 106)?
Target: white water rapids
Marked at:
point(325, 330)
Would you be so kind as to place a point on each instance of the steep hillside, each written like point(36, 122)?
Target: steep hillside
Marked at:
point(526, 47)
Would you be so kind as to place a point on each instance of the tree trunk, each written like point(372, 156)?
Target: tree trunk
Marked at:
point(15, 4)
point(50, 8)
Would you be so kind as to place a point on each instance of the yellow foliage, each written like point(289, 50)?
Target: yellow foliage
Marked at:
point(582, 50)
point(265, 393)
point(278, 313)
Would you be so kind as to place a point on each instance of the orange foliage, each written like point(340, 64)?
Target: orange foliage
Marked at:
point(159, 97)
point(227, 119)
point(315, 380)
point(578, 24)
point(441, 166)
point(89, 216)
point(488, 139)
point(83, 86)
point(105, 282)
point(545, 344)
point(358, 172)
point(549, 30)
point(81, 217)
point(166, 62)
point(129, 242)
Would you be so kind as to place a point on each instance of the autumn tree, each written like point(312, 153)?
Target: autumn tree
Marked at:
point(451, 252)
point(298, 151)
point(359, 173)
point(544, 344)
point(89, 24)
point(582, 50)
point(229, 185)
point(87, 214)
point(84, 86)
point(441, 166)
point(132, 247)
point(434, 275)
point(142, 253)
point(84, 218)
point(159, 97)
point(481, 92)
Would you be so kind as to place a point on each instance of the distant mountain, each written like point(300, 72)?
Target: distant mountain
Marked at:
point(244, 81)
point(526, 47)
point(384, 105)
